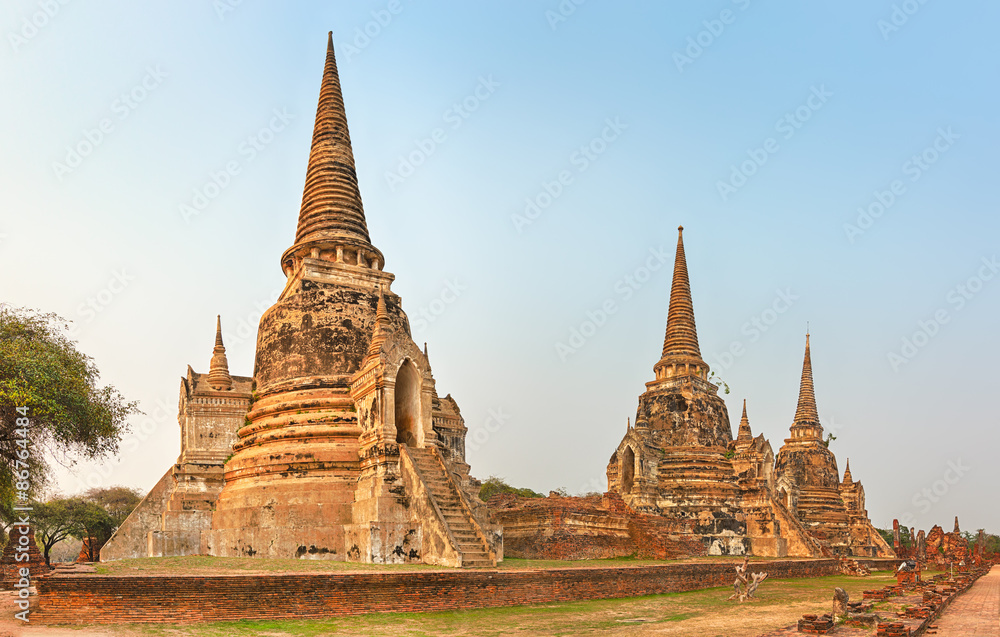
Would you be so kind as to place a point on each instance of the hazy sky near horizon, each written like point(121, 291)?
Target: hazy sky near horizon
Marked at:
point(524, 167)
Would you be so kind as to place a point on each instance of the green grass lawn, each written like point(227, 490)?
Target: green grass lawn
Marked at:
point(221, 565)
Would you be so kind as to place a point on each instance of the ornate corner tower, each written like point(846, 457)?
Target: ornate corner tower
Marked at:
point(753, 460)
point(171, 518)
point(864, 539)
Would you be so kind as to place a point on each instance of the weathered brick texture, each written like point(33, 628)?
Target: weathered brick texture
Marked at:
point(93, 599)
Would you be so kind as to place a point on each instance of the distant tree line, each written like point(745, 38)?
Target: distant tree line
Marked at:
point(92, 516)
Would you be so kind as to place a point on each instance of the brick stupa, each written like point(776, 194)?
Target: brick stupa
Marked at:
point(346, 451)
point(808, 482)
point(673, 461)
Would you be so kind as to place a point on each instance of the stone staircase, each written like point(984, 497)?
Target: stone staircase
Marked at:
point(463, 527)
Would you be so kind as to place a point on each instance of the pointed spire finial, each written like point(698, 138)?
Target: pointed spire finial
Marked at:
point(848, 478)
point(745, 433)
point(628, 423)
point(331, 200)
point(806, 414)
point(218, 370)
point(680, 343)
point(218, 331)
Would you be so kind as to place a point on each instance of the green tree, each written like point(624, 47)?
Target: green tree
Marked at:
point(495, 485)
point(54, 521)
point(68, 413)
point(118, 502)
point(94, 526)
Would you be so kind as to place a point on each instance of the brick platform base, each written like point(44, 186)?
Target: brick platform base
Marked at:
point(96, 599)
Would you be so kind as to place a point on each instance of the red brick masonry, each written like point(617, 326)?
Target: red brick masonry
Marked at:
point(96, 599)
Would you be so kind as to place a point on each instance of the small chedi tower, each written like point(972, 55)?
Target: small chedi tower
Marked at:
point(772, 529)
point(171, 517)
point(673, 461)
point(345, 452)
point(753, 459)
point(864, 539)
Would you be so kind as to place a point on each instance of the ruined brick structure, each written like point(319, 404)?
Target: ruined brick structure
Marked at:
point(12, 559)
point(714, 494)
point(946, 550)
point(89, 550)
point(943, 551)
point(341, 449)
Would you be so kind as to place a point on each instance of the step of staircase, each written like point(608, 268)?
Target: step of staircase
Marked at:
point(469, 545)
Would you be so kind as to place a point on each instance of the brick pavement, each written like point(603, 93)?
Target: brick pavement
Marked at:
point(975, 613)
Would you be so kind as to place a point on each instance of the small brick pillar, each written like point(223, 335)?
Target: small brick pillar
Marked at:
point(90, 551)
point(9, 565)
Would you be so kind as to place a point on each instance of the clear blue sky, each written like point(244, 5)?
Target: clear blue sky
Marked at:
point(763, 128)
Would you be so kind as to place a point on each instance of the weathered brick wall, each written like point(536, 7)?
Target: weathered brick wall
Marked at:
point(93, 599)
point(593, 527)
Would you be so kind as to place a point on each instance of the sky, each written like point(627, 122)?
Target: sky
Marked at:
point(524, 167)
